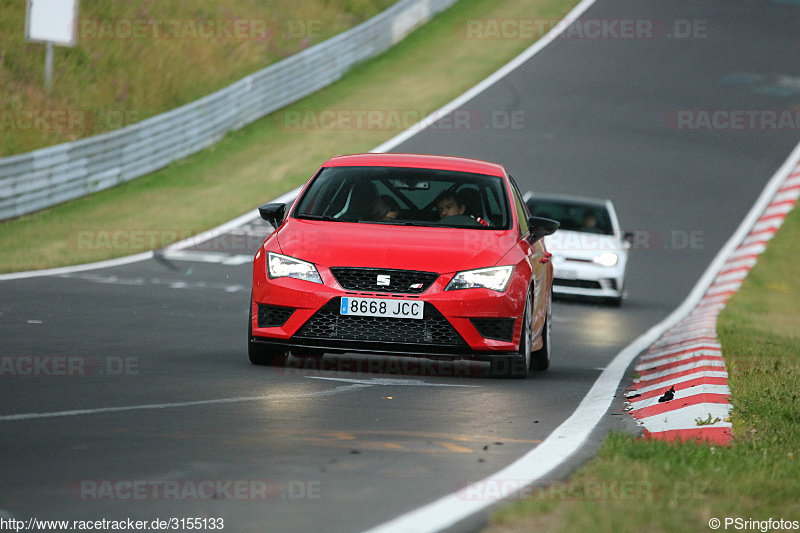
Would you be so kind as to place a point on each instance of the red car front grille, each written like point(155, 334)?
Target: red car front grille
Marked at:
point(384, 280)
point(328, 324)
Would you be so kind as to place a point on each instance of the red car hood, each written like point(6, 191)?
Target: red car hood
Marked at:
point(428, 249)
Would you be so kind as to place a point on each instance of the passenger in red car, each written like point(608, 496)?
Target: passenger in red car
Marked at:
point(385, 208)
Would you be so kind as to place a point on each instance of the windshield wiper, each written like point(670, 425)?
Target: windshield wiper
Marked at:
point(391, 222)
point(309, 216)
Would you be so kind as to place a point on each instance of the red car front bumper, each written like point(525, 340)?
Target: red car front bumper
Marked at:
point(471, 323)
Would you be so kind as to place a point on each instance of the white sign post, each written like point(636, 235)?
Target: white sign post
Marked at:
point(51, 22)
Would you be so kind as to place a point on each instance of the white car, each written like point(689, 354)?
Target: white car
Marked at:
point(590, 251)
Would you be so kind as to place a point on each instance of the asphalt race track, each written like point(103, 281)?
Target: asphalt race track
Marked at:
point(138, 390)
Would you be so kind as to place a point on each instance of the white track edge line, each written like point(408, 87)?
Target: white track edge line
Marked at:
point(144, 256)
point(235, 223)
point(173, 405)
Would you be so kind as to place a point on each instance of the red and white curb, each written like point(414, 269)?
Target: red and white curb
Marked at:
point(687, 358)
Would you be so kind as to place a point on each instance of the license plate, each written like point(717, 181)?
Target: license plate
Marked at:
point(382, 307)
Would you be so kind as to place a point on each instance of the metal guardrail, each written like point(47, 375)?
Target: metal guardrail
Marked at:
point(52, 175)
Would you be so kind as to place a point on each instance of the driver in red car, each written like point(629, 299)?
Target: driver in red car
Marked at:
point(449, 204)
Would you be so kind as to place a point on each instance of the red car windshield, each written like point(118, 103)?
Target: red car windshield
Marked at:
point(406, 196)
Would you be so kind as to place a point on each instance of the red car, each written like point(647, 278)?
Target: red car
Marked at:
point(401, 254)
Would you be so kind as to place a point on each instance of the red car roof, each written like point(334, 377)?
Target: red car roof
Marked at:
point(459, 164)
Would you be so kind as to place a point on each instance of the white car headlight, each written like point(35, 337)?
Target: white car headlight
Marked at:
point(283, 266)
point(494, 278)
point(606, 259)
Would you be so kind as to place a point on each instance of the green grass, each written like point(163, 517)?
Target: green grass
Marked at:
point(115, 76)
point(680, 487)
point(431, 67)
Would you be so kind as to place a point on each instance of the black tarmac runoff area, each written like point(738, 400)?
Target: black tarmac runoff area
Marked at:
point(126, 392)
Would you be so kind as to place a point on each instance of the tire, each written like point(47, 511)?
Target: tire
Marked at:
point(259, 354)
point(518, 366)
point(541, 357)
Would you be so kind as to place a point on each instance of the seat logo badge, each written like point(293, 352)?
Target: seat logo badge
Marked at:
point(384, 280)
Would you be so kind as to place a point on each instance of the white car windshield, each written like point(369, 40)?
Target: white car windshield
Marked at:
point(584, 217)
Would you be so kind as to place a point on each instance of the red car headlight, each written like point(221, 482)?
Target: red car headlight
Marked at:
point(494, 278)
point(283, 266)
